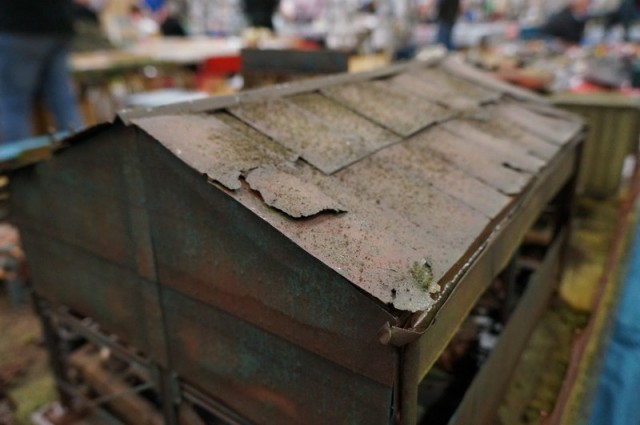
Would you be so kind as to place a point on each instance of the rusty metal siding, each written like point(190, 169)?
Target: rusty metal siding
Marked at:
point(266, 378)
point(82, 223)
point(90, 181)
point(118, 299)
point(212, 249)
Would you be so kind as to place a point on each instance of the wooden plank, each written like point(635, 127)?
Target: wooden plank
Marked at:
point(482, 399)
point(130, 407)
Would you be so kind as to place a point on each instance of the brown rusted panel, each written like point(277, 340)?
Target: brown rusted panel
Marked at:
point(381, 102)
point(473, 159)
point(138, 221)
point(211, 248)
point(80, 214)
point(214, 148)
point(80, 191)
point(304, 133)
point(263, 377)
point(456, 85)
point(555, 130)
point(514, 155)
point(115, 297)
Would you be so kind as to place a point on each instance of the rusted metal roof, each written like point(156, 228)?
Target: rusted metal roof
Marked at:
point(289, 194)
point(212, 147)
point(392, 179)
point(400, 111)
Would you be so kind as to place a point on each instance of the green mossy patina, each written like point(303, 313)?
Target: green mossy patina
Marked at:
point(422, 275)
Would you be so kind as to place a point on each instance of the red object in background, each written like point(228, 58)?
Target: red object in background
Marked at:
point(215, 69)
point(221, 66)
point(306, 45)
point(586, 87)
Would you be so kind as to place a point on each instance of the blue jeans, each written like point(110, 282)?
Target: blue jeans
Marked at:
point(445, 35)
point(32, 66)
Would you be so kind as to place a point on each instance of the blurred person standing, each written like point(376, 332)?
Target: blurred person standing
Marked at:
point(35, 39)
point(259, 13)
point(569, 23)
point(627, 13)
point(447, 15)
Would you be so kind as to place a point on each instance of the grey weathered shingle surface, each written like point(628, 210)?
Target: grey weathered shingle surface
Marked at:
point(392, 187)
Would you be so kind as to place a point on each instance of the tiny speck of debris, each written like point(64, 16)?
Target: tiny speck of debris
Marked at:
point(393, 294)
point(422, 275)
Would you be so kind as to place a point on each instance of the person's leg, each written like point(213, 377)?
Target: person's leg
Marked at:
point(57, 91)
point(21, 59)
point(445, 34)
